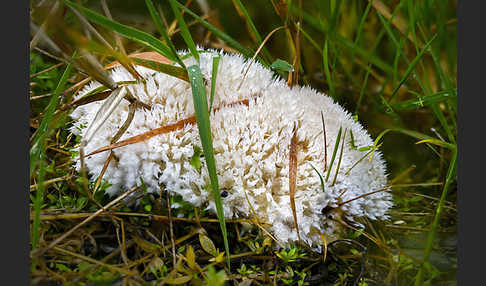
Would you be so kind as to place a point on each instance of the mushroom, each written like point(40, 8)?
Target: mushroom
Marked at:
point(253, 120)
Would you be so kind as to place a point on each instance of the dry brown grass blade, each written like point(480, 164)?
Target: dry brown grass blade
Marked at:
point(151, 56)
point(385, 189)
point(398, 21)
point(258, 51)
point(40, 251)
point(39, 32)
point(158, 131)
point(89, 259)
point(293, 176)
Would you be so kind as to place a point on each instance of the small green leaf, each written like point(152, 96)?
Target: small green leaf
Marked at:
point(214, 278)
point(281, 66)
point(196, 158)
point(179, 280)
point(207, 244)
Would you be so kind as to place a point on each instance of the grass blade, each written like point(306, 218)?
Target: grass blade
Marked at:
point(416, 135)
point(253, 29)
point(186, 35)
point(37, 152)
point(213, 81)
point(126, 31)
point(425, 100)
point(340, 157)
point(435, 223)
point(320, 177)
point(411, 67)
point(202, 118)
point(336, 146)
point(325, 62)
point(223, 36)
point(174, 71)
point(158, 23)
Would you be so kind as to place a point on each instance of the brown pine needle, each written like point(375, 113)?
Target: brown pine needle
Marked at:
point(364, 195)
point(293, 176)
point(258, 51)
point(158, 131)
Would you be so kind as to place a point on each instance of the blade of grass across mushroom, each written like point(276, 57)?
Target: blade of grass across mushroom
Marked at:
point(126, 31)
point(204, 126)
point(293, 175)
point(214, 77)
point(37, 152)
point(202, 117)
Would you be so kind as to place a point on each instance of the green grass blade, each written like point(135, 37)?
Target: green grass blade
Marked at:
point(325, 62)
point(416, 135)
point(37, 152)
point(320, 178)
point(253, 29)
point(38, 141)
point(336, 146)
point(220, 34)
point(174, 71)
point(427, 100)
point(309, 19)
point(158, 23)
point(435, 223)
point(411, 67)
point(360, 30)
point(126, 31)
point(186, 35)
point(213, 81)
point(202, 118)
point(340, 158)
point(362, 90)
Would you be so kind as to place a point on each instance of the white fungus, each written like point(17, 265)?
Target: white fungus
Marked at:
point(251, 148)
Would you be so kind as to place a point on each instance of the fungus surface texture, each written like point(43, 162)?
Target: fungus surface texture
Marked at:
point(252, 125)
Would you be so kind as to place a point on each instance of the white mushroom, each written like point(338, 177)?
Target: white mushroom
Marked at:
point(251, 148)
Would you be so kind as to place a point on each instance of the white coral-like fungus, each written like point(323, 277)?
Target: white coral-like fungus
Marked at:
point(251, 148)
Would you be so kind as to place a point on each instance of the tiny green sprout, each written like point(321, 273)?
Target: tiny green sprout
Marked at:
point(196, 158)
point(214, 278)
point(291, 255)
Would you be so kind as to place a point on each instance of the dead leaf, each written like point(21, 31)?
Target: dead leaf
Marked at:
point(293, 175)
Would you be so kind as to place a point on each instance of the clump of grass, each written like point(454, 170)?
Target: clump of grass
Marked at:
point(393, 63)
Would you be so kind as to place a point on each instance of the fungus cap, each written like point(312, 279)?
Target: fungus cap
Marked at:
point(251, 148)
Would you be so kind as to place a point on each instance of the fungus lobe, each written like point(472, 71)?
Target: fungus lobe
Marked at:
point(252, 126)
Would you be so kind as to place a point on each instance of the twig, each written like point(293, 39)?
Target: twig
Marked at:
point(171, 228)
point(39, 252)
